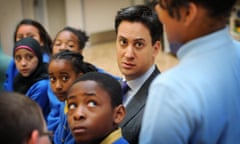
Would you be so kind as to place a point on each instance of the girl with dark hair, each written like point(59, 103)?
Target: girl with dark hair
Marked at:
point(28, 28)
point(63, 69)
point(32, 79)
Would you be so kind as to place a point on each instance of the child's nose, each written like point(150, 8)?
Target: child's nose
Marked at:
point(23, 62)
point(79, 113)
point(58, 85)
point(63, 47)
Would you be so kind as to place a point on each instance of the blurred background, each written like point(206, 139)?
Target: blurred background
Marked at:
point(95, 17)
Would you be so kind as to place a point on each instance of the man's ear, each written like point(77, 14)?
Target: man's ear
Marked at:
point(157, 47)
point(34, 137)
point(119, 114)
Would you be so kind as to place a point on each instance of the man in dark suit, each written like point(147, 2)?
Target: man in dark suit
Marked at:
point(138, 43)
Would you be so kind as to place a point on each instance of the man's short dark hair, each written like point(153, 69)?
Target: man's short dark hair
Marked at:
point(144, 15)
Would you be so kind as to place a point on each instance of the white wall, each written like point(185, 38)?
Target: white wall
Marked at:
point(100, 14)
point(10, 13)
point(75, 13)
point(93, 16)
point(56, 16)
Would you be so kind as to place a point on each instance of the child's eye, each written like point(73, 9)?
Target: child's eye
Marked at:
point(70, 46)
point(30, 35)
point(29, 57)
point(65, 78)
point(17, 58)
point(92, 104)
point(19, 37)
point(57, 43)
point(72, 106)
point(52, 79)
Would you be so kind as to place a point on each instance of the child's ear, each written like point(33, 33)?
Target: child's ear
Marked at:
point(34, 137)
point(80, 74)
point(119, 114)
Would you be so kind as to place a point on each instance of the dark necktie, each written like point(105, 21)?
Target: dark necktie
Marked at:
point(125, 89)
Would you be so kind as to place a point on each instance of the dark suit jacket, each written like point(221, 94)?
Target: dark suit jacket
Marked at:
point(132, 123)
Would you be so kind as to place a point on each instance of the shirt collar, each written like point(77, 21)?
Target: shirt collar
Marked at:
point(114, 136)
point(204, 43)
point(137, 83)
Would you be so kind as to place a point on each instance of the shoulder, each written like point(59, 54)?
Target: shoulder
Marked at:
point(41, 83)
point(40, 86)
point(103, 71)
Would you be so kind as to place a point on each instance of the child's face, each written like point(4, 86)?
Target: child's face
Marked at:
point(90, 113)
point(66, 40)
point(61, 76)
point(26, 30)
point(26, 62)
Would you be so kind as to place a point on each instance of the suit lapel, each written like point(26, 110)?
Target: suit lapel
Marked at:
point(139, 100)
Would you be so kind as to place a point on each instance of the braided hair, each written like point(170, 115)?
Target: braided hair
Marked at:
point(76, 61)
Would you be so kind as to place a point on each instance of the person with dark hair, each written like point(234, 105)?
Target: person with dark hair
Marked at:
point(197, 101)
point(34, 29)
point(94, 109)
point(28, 28)
point(63, 69)
point(21, 120)
point(70, 38)
point(74, 40)
point(138, 43)
point(32, 79)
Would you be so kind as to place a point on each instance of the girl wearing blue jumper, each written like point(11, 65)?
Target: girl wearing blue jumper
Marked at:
point(32, 79)
point(28, 28)
point(73, 40)
point(63, 69)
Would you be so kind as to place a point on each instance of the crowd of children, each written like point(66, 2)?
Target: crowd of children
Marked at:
point(43, 70)
point(195, 102)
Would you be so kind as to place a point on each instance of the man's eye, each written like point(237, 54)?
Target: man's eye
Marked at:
point(139, 45)
point(92, 104)
point(123, 42)
point(71, 106)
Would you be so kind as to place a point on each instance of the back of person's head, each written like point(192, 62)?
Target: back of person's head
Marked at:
point(76, 61)
point(19, 117)
point(144, 15)
point(81, 35)
point(44, 36)
point(107, 83)
point(218, 9)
